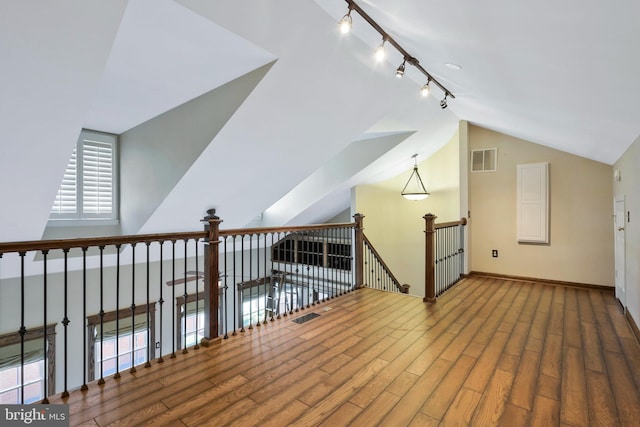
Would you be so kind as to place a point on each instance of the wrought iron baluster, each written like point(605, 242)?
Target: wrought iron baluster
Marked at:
point(45, 399)
point(173, 299)
point(161, 302)
point(184, 305)
point(225, 305)
point(23, 330)
point(148, 363)
point(236, 300)
point(257, 276)
point(65, 323)
point(133, 307)
point(84, 320)
point(197, 345)
point(250, 255)
point(264, 277)
point(242, 282)
point(117, 374)
point(101, 380)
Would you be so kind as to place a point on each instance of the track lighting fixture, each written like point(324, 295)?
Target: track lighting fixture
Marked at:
point(414, 188)
point(345, 26)
point(345, 22)
point(424, 91)
point(400, 70)
point(443, 103)
point(380, 51)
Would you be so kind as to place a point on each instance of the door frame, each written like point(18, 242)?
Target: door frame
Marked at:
point(620, 270)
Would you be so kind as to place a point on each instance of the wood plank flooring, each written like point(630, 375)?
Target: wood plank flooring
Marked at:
point(489, 352)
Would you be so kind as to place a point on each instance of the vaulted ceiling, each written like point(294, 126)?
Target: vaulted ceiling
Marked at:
point(322, 116)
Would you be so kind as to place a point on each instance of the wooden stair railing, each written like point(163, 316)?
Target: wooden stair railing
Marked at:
point(377, 274)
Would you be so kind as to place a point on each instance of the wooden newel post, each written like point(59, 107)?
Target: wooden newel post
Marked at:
point(211, 276)
point(359, 250)
point(429, 258)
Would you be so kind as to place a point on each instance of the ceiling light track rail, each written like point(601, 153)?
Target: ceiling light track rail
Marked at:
point(407, 57)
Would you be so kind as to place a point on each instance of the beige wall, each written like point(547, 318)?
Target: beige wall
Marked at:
point(581, 203)
point(395, 225)
point(628, 187)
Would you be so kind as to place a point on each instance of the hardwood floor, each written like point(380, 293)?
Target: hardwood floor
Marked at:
point(489, 352)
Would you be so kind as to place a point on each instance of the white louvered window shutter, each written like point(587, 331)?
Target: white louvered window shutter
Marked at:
point(67, 197)
point(97, 177)
point(88, 189)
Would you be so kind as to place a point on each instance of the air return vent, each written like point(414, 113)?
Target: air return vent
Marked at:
point(484, 160)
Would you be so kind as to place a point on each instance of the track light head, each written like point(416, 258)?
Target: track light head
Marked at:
point(443, 103)
point(400, 70)
point(424, 91)
point(380, 51)
point(345, 23)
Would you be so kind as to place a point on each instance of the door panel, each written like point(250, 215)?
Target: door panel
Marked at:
point(619, 230)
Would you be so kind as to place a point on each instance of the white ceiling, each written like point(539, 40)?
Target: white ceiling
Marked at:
point(562, 74)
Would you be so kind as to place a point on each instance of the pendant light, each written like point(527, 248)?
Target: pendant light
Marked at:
point(414, 188)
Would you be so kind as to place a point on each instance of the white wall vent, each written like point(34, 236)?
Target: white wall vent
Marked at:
point(484, 160)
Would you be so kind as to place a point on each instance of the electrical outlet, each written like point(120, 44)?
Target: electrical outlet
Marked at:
point(158, 344)
point(494, 253)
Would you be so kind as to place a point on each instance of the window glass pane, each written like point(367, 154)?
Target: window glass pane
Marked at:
point(124, 361)
point(33, 371)
point(109, 348)
point(9, 378)
point(141, 339)
point(109, 367)
point(124, 343)
point(9, 397)
point(140, 356)
point(33, 392)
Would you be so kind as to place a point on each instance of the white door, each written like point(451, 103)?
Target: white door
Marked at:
point(619, 224)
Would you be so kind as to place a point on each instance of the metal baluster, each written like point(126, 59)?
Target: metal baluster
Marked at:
point(84, 320)
point(117, 374)
point(23, 330)
point(226, 287)
point(271, 287)
point(462, 249)
point(340, 260)
point(184, 305)
point(133, 307)
point(148, 364)
point(314, 268)
point(438, 260)
point(161, 302)
point(242, 282)
point(325, 263)
point(301, 260)
point(173, 299)
point(45, 393)
point(197, 346)
point(235, 291)
point(65, 323)
point(101, 380)
point(264, 280)
point(257, 277)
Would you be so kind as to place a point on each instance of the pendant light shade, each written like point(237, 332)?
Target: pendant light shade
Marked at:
point(414, 188)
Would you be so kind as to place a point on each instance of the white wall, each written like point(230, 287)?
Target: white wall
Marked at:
point(395, 225)
point(580, 204)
